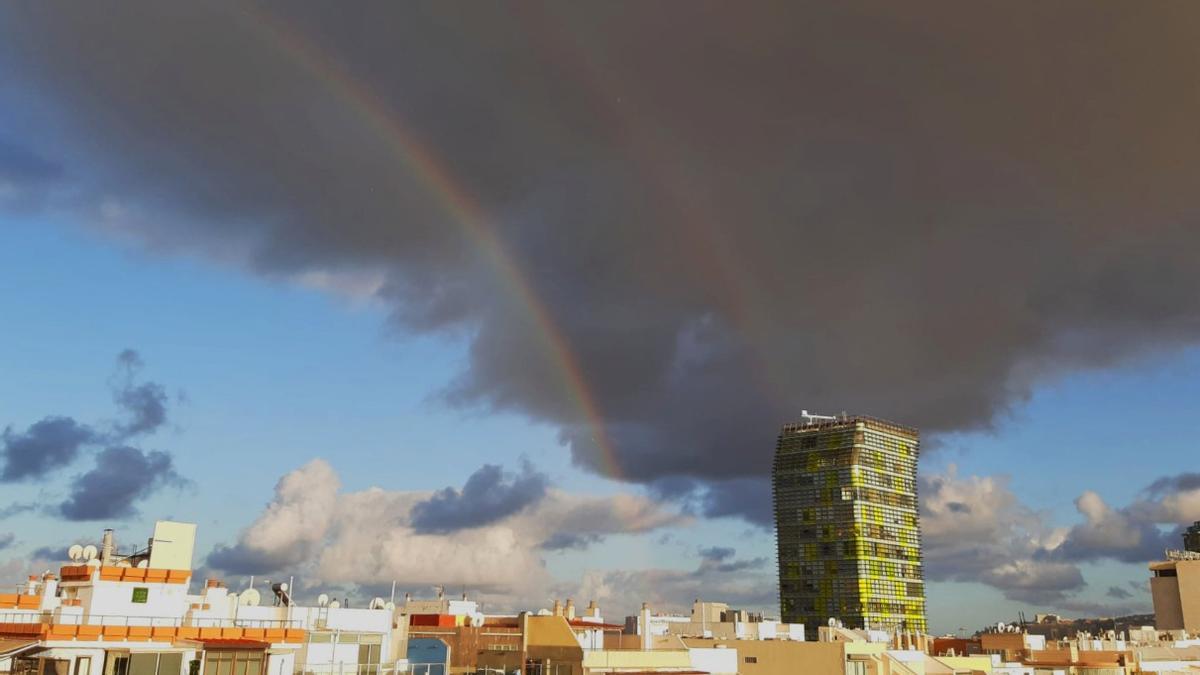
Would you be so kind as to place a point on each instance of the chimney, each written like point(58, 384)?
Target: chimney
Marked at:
point(645, 627)
point(557, 608)
point(107, 547)
point(49, 585)
point(31, 586)
point(593, 610)
point(570, 610)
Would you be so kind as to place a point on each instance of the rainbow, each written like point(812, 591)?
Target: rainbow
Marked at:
point(463, 208)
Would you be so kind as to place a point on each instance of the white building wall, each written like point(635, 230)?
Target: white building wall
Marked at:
point(115, 598)
point(716, 661)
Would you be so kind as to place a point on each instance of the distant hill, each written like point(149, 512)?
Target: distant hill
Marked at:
point(1057, 627)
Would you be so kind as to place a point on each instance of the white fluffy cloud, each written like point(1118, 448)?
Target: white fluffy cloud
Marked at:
point(975, 529)
point(366, 538)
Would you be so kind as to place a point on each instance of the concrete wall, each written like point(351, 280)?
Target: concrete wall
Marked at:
point(781, 657)
point(1168, 611)
point(636, 659)
point(716, 661)
point(1189, 593)
point(116, 598)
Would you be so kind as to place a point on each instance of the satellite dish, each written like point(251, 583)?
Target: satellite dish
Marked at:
point(391, 606)
point(144, 564)
point(377, 603)
point(93, 563)
point(75, 552)
point(90, 552)
point(334, 604)
point(283, 587)
point(124, 563)
point(322, 600)
point(250, 598)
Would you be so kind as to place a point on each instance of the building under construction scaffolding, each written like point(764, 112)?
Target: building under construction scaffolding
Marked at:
point(846, 523)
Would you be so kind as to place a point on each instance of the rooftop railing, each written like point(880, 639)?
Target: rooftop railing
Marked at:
point(71, 619)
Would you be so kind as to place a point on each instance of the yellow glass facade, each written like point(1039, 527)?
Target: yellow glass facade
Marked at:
point(846, 524)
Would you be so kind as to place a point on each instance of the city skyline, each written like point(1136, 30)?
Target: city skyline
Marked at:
point(532, 291)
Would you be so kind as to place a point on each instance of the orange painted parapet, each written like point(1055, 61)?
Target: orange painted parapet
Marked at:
point(21, 628)
point(210, 633)
point(76, 573)
point(189, 633)
point(178, 576)
point(139, 633)
point(153, 575)
point(115, 632)
point(15, 601)
point(163, 633)
point(110, 573)
point(294, 635)
point(231, 633)
point(275, 634)
point(133, 574)
point(61, 631)
point(86, 632)
point(255, 634)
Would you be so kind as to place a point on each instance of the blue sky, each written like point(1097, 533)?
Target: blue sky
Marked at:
point(265, 376)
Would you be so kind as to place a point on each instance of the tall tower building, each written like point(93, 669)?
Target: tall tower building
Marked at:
point(846, 523)
point(1191, 538)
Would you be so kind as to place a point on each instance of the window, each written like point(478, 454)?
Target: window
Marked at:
point(153, 663)
point(141, 595)
point(231, 662)
point(751, 659)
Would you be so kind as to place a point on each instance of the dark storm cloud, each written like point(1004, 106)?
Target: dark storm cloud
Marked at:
point(730, 211)
point(747, 498)
point(20, 165)
point(490, 494)
point(6, 540)
point(46, 446)
point(122, 477)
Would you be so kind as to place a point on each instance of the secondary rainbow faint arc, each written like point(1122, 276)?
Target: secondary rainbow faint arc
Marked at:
point(459, 203)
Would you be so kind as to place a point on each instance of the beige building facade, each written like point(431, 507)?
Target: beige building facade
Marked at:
point(1175, 588)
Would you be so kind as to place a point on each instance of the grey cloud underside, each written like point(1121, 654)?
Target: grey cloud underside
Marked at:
point(145, 403)
point(121, 477)
point(731, 212)
point(975, 529)
point(489, 495)
point(46, 446)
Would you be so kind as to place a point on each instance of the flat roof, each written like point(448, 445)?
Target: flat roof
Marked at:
point(848, 420)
